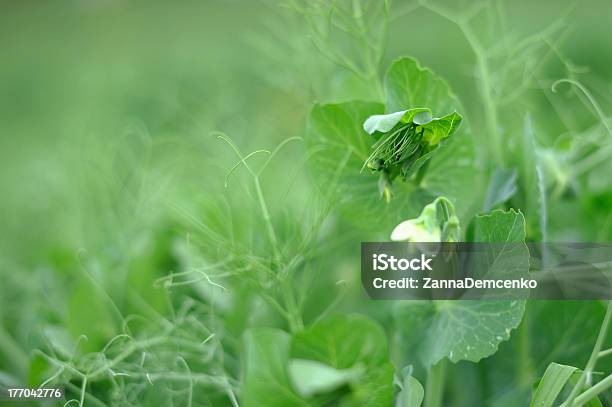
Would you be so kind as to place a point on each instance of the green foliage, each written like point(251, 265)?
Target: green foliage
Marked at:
point(409, 84)
point(310, 377)
point(148, 259)
point(550, 388)
point(266, 382)
point(466, 329)
point(411, 393)
point(341, 148)
point(405, 141)
point(552, 383)
point(341, 360)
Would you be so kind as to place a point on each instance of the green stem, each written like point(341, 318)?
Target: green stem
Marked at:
point(572, 399)
point(604, 353)
point(295, 318)
point(525, 369)
point(592, 392)
point(267, 220)
point(491, 117)
point(486, 90)
point(434, 392)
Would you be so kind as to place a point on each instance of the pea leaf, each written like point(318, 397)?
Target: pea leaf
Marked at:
point(464, 329)
point(342, 342)
point(310, 377)
point(266, 382)
point(408, 84)
point(339, 146)
point(351, 342)
point(384, 122)
point(552, 383)
point(312, 366)
point(453, 167)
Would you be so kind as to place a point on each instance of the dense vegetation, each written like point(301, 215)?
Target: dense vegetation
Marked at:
point(185, 189)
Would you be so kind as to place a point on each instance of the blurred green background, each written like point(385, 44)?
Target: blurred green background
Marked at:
point(109, 164)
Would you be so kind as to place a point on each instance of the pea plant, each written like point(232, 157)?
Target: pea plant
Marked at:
point(265, 303)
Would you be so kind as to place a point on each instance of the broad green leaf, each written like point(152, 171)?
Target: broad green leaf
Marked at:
point(407, 85)
point(373, 390)
point(342, 342)
point(411, 394)
point(266, 382)
point(310, 377)
point(552, 383)
point(339, 147)
point(501, 260)
point(452, 170)
point(465, 329)
point(349, 342)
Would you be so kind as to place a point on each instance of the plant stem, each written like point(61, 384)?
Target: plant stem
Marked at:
point(592, 392)
point(267, 220)
point(434, 392)
point(492, 121)
point(605, 353)
point(573, 397)
point(295, 318)
point(525, 366)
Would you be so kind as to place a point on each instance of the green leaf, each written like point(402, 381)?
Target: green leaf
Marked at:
point(384, 122)
point(505, 261)
point(408, 84)
point(411, 394)
point(452, 171)
point(351, 342)
point(339, 146)
point(310, 377)
point(465, 329)
point(552, 383)
point(342, 342)
point(266, 382)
